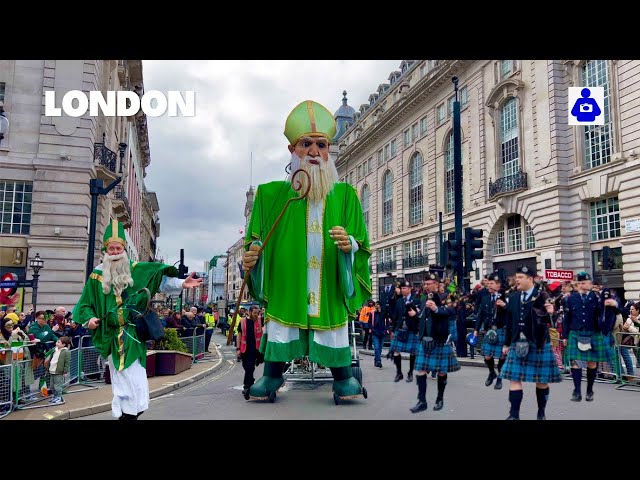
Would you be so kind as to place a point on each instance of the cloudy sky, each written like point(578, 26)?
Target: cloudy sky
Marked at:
point(200, 166)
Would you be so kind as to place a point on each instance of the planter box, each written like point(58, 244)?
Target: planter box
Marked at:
point(151, 367)
point(172, 362)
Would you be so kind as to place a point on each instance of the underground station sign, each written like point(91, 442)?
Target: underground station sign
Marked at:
point(558, 274)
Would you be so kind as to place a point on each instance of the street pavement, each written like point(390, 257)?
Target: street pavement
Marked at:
point(218, 396)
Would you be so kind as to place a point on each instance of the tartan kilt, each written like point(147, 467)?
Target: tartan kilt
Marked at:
point(494, 350)
point(410, 346)
point(440, 359)
point(601, 349)
point(536, 367)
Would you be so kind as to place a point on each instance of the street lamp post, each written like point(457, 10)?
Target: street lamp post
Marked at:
point(36, 264)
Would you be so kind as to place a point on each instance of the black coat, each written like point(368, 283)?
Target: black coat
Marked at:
point(487, 310)
point(531, 318)
point(400, 313)
point(435, 324)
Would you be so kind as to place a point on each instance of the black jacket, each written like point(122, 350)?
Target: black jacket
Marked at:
point(435, 324)
point(486, 312)
point(531, 318)
point(400, 314)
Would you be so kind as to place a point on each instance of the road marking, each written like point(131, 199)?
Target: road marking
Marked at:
point(231, 362)
point(48, 416)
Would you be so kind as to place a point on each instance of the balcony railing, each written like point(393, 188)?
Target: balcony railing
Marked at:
point(105, 157)
point(387, 266)
point(415, 261)
point(508, 184)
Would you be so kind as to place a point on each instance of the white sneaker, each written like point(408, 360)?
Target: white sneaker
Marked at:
point(56, 401)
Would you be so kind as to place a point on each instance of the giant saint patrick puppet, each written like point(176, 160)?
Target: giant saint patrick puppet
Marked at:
point(313, 272)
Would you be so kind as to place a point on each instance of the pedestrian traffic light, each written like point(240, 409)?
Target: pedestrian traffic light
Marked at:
point(472, 246)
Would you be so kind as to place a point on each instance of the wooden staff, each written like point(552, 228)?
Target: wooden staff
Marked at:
point(297, 188)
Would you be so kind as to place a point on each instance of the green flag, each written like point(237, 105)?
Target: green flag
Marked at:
point(214, 261)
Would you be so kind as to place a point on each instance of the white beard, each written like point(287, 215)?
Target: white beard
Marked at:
point(116, 273)
point(323, 176)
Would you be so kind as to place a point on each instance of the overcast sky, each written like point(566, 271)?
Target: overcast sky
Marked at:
point(200, 166)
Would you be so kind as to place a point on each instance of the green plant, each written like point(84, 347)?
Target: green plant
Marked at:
point(171, 341)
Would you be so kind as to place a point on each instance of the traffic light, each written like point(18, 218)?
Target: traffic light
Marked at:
point(455, 253)
point(472, 246)
point(183, 270)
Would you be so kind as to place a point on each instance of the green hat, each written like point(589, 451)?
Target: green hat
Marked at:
point(309, 118)
point(113, 233)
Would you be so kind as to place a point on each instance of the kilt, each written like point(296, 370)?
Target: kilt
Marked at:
point(496, 349)
point(601, 349)
point(410, 346)
point(440, 359)
point(536, 367)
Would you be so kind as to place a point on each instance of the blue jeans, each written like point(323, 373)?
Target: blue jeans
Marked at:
point(625, 352)
point(377, 348)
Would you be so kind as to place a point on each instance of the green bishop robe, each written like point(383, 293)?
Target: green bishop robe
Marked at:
point(283, 283)
point(115, 335)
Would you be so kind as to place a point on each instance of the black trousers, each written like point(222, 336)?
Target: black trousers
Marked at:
point(249, 365)
point(368, 339)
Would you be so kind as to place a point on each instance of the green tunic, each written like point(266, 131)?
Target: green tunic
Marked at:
point(284, 259)
point(115, 336)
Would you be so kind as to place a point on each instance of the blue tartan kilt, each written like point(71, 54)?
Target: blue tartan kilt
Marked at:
point(496, 349)
point(440, 359)
point(601, 349)
point(537, 367)
point(410, 346)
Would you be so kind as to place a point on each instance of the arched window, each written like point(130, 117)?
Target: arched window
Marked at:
point(387, 203)
point(415, 189)
point(365, 204)
point(509, 158)
point(513, 234)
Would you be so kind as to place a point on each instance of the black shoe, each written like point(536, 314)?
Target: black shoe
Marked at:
point(410, 377)
point(589, 397)
point(439, 404)
point(576, 397)
point(378, 364)
point(492, 376)
point(399, 377)
point(498, 384)
point(420, 406)
point(511, 417)
point(541, 417)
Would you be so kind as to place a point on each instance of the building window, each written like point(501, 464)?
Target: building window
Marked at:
point(415, 190)
point(393, 148)
point(359, 172)
point(498, 248)
point(351, 179)
point(448, 167)
point(416, 248)
point(407, 138)
point(430, 64)
point(386, 152)
point(464, 97)
point(512, 229)
point(423, 126)
point(509, 163)
point(387, 203)
point(365, 204)
point(2, 84)
point(414, 132)
point(380, 159)
point(529, 239)
point(506, 66)
point(514, 233)
point(597, 138)
point(15, 207)
point(423, 70)
point(605, 219)
point(440, 114)
point(369, 165)
point(450, 106)
point(615, 255)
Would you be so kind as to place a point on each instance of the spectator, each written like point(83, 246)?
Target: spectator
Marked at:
point(74, 329)
point(174, 320)
point(41, 330)
point(380, 328)
point(13, 317)
point(58, 365)
point(248, 346)
point(365, 315)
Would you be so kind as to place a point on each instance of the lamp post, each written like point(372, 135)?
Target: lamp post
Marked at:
point(36, 264)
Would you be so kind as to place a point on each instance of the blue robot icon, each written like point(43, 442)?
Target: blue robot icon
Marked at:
point(586, 109)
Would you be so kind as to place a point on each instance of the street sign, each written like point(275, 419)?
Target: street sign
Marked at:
point(25, 283)
point(11, 284)
point(558, 275)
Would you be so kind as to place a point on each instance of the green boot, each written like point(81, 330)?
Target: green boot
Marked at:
point(344, 383)
point(270, 382)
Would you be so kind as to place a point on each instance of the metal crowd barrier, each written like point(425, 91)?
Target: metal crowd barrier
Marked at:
point(90, 363)
point(629, 381)
point(607, 372)
point(195, 346)
point(28, 377)
point(6, 382)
